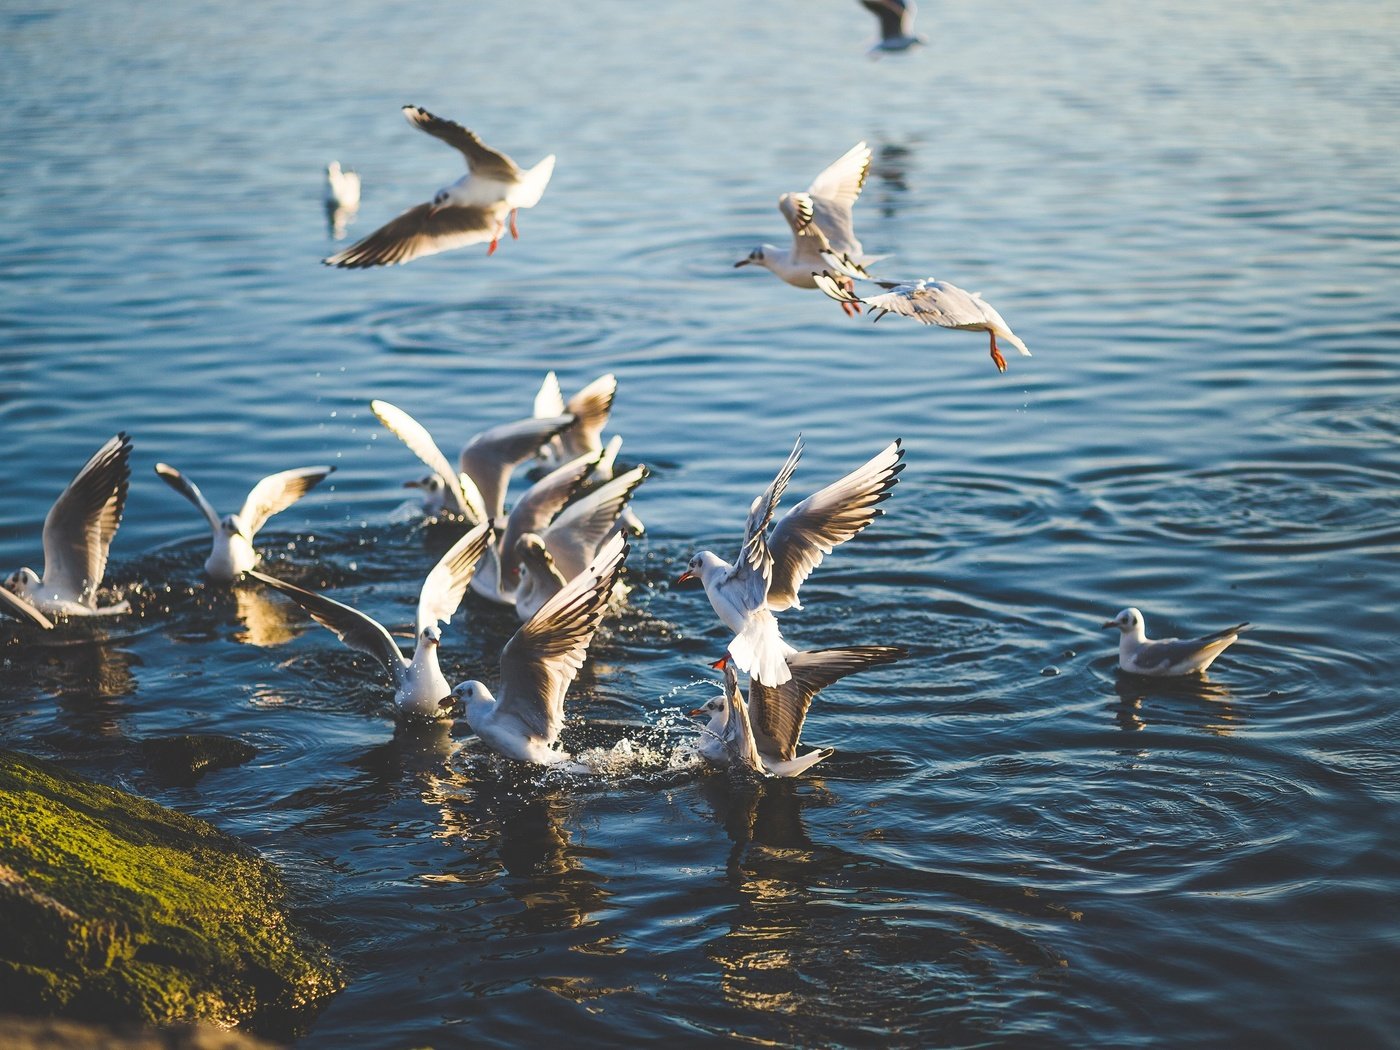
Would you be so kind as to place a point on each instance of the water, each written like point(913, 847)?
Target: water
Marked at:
point(1188, 214)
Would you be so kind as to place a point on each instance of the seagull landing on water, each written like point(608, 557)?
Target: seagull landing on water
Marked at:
point(472, 210)
point(420, 690)
point(896, 24)
point(927, 301)
point(78, 532)
point(766, 576)
point(232, 554)
point(821, 222)
point(1166, 657)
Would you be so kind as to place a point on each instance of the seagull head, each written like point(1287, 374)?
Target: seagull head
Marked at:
point(232, 525)
point(1127, 621)
point(440, 201)
point(22, 581)
point(430, 635)
point(755, 256)
point(699, 567)
point(711, 709)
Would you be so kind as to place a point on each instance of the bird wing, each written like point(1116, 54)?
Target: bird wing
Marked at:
point(276, 492)
point(79, 527)
point(22, 610)
point(828, 517)
point(1164, 652)
point(491, 456)
point(574, 536)
point(443, 589)
point(832, 194)
point(778, 712)
point(590, 408)
point(422, 231)
point(550, 400)
point(187, 488)
point(481, 159)
point(538, 506)
point(933, 302)
point(891, 14)
point(739, 741)
point(413, 434)
point(541, 660)
point(755, 560)
point(351, 626)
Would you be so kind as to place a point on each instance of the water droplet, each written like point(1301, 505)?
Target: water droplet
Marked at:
point(1050, 672)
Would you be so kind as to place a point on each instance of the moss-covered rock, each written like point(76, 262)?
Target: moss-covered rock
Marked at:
point(115, 908)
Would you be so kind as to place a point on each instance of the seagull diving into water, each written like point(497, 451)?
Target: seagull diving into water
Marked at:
point(896, 19)
point(1166, 657)
point(78, 532)
point(472, 210)
point(420, 690)
point(232, 554)
point(820, 220)
point(768, 572)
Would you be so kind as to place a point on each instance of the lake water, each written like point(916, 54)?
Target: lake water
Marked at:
point(1187, 210)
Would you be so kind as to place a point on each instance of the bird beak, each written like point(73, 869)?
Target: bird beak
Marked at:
point(696, 713)
point(1107, 624)
point(742, 262)
point(687, 575)
point(721, 663)
point(413, 484)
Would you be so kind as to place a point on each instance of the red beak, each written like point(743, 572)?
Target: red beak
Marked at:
point(687, 575)
point(696, 713)
point(721, 663)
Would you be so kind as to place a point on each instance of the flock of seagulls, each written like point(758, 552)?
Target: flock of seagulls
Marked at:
point(556, 553)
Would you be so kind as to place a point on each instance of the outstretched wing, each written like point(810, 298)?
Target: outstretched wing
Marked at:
point(538, 506)
point(422, 230)
point(832, 194)
point(80, 525)
point(590, 408)
point(351, 626)
point(276, 492)
point(481, 159)
point(443, 589)
point(828, 517)
point(541, 660)
point(413, 434)
point(187, 488)
point(754, 557)
point(574, 536)
point(490, 457)
point(778, 712)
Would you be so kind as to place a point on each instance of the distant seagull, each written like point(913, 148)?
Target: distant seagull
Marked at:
point(78, 533)
point(928, 302)
point(896, 22)
point(539, 664)
point(1167, 657)
point(820, 220)
point(549, 560)
point(232, 554)
point(590, 408)
point(472, 210)
point(445, 489)
point(776, 716)
point(342, 197)
point(420, 691)
point(767, 574)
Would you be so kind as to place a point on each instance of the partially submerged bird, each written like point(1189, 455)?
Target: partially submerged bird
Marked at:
point(896, 19)
point(78, 531)
point(820, 220)
point(765, 577)
point(472, 210)
point(928, 302)
point(538, 665)
point(773, 717)
point(1165, 657)
point(232, 553)
point(342, 187)
point(420, 690)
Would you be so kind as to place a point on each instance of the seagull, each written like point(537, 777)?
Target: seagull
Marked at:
point(821, 222)
point(444, 489)
point(590, 408)
point(342, 188)
point(896, 19)
point(1167, 656)
point(538, 665)
point(78, 533)
point(929, 302)
point(768, 572)
point(232, 554)
point(491, 457)
point(420, 690)
point(775, 716)
point(549, 560)
point(473, 209)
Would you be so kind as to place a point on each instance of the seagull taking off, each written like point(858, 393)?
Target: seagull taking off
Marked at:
point(896, 19)
point(820, 220)
point(472, 210)
point(78, 532)
point(766, 576)
point(420, 690)
point(928, 302)
point(232, 554)
point(1166, 657)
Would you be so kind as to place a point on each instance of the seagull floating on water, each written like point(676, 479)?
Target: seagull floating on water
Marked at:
point(767, 574)
point(896, 19)
point(773, 717)
point(342, 197)
point(472, 210)
point(821, 222)
point(928, 302)
point(78, 532)
point(1166, 657)
point(539, 664)
point(232, 554)
point(420, 690)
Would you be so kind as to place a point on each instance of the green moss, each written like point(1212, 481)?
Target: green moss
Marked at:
point(125, 909)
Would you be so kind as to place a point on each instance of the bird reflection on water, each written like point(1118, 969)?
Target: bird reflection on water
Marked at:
point(1137, 696)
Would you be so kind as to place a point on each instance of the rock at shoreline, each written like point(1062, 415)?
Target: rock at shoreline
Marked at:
point(117, 909)
point(27, 1033)
point(185, 758)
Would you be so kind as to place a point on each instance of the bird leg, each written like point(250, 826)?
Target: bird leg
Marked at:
point(846, 308)
point(851, 288)
point(514, 233)
point(495, 239)
point(996, 354)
